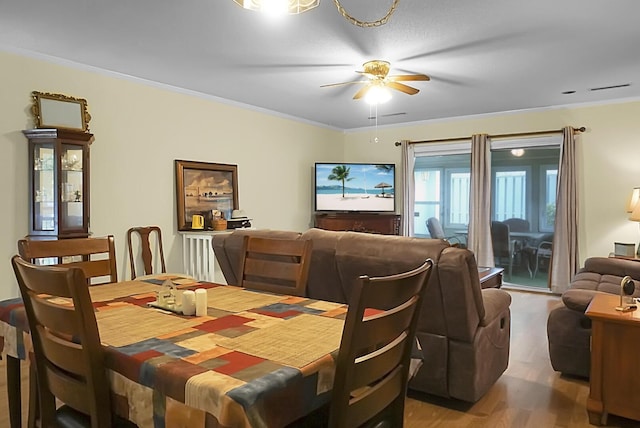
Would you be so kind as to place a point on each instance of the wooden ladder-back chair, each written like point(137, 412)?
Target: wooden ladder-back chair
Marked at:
point(372, 369)
point(145, 235)
point(69, 358)
point(275, 265)
point(95, 256)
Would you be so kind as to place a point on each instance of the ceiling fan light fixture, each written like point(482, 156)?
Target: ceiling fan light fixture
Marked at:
point(377, 94)
point(291, 7)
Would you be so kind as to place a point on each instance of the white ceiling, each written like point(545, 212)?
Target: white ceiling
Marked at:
point(483, 56)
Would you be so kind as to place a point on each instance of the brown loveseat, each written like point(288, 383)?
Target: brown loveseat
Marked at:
point(568, 328)
point(463, 330)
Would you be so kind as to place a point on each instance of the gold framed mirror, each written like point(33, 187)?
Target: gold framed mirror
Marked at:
point(60, 111)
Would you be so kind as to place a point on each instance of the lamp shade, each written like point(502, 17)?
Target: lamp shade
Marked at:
point(635, 214)
point(633, 199)
point(292, 7)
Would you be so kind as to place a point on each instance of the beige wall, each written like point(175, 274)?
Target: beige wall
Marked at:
point(139, 130)
point(608, 159)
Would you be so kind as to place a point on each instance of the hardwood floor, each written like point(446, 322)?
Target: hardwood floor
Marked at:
point(529, 393)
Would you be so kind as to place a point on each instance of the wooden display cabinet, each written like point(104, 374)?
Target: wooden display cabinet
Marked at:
point(58, 183)
point(386, 224)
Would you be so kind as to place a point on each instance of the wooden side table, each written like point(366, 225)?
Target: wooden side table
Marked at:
point(490, 276)
point(615, 346)
point(632, 258)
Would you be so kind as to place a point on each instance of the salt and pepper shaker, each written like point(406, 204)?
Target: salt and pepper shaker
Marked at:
point(201, 302)
point(188, 302)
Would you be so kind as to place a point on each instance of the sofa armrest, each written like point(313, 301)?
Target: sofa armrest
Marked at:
point(495, 303)
point(578, 299)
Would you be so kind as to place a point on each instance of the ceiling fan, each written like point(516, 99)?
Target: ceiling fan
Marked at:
point(377, 72)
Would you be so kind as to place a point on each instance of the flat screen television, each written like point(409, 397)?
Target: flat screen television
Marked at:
point(355, 187)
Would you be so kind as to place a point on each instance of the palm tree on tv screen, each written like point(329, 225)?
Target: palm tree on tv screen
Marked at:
point(340, 173)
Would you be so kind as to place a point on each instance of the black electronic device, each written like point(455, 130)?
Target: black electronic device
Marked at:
point(627, 288)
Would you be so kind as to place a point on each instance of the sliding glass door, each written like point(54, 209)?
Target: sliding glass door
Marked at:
point(524, 176)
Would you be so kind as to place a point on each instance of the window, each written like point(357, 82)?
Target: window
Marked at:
point(547, 215)
point(442, 184)
point(427, 198)
point(510, 193)
point(457, 198)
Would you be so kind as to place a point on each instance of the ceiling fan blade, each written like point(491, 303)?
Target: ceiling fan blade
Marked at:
point(403, 88)
point(406, 77)
point(342, 83)
point(362, 92)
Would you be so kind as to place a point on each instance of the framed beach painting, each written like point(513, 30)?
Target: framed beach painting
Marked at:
point(202, 187)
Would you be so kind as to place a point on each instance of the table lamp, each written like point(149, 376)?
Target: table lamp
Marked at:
point(634, 208)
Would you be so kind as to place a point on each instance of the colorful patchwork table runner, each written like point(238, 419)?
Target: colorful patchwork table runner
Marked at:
point(255, 360)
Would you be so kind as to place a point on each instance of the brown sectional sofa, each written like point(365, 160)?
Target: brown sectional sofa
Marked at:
point(568, 328)
point(463, 331)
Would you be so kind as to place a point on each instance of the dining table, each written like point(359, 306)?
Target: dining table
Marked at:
point(254, 359)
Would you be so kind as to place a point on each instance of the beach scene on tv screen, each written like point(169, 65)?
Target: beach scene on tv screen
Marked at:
point(355, 187)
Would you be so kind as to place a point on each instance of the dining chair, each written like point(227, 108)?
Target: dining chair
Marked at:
point(522, 247)
point(503, 245)
point(437, 232)
point(95, 256)
point(68, 356)
point(275, 265)
point(544, 252)
point(70, 252)
point(372, 367)
point(518, 224)
point(150, 237)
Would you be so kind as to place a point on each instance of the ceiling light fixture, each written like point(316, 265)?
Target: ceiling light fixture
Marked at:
point(517, 152)
point(377, 94)
point(294, 7)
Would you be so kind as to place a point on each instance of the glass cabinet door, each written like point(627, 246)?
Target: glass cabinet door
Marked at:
point(71, 187)
point(44, 189)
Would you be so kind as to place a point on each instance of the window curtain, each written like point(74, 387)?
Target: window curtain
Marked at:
point(564, 257)
point(408, 186)
point(479, 240)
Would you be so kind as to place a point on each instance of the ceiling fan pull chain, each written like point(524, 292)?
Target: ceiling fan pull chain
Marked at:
point(366, 24)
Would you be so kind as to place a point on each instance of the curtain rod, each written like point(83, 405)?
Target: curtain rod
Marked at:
point(514, 135)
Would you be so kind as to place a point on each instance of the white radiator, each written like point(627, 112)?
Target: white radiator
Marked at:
point(198, 259)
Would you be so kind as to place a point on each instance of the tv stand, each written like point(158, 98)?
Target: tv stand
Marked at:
point(385, 224)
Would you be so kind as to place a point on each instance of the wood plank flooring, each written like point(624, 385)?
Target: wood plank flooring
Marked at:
point(528, 395)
